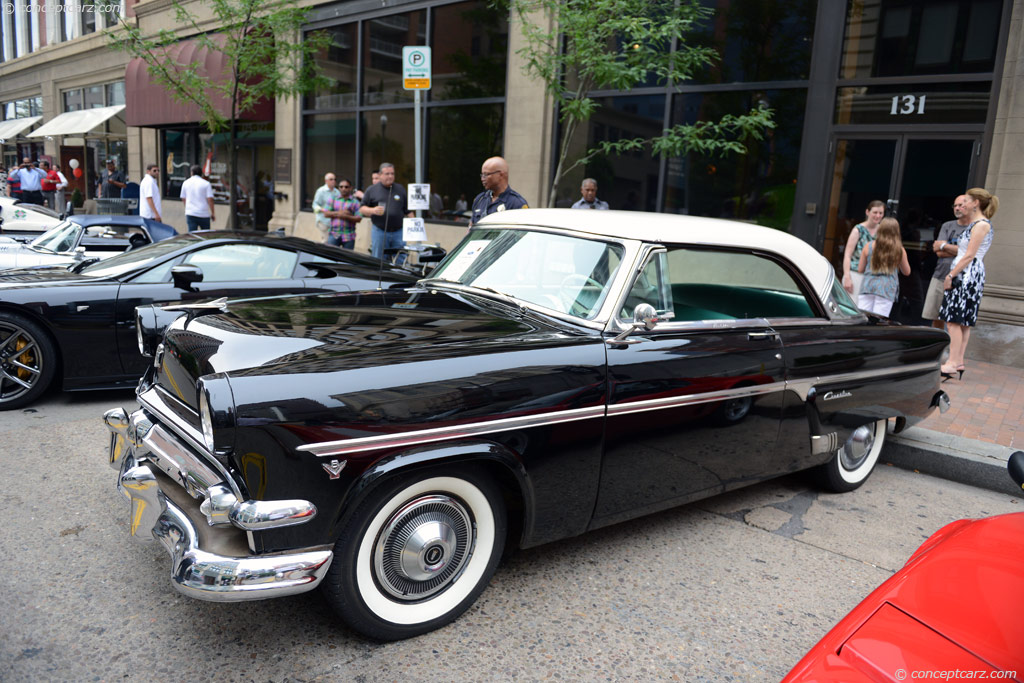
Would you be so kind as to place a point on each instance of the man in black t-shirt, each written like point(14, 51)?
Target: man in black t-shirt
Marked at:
point(386, 203)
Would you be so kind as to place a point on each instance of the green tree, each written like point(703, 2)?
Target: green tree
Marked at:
point(594, 45)
point(256, 38)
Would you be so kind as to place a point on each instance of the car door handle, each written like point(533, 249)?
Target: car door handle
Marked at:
point(762, 335)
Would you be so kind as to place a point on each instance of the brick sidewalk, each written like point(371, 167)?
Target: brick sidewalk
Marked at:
point(987, 405)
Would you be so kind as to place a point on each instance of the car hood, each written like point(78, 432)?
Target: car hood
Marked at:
point(46, 275)
point(956, 604)
point(296, 335)
point(17, 255)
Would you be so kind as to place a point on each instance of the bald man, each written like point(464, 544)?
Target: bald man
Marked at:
point(497, 195)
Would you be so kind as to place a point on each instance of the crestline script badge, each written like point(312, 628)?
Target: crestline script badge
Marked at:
point(830, 395)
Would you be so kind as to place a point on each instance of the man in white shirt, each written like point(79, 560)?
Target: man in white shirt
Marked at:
point(197, 193)
point(150, 207)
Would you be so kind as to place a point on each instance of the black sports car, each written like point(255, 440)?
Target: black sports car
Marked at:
point(78, 322)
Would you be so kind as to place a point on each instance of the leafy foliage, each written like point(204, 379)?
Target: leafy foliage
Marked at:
point(255, 36)
point(603, 45)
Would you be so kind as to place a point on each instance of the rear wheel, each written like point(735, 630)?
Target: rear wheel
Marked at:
point(853, 463)
point(417, 552)
point(27, 361)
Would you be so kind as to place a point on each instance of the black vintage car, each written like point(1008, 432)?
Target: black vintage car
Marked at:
point(560, 371)
point(77, 322)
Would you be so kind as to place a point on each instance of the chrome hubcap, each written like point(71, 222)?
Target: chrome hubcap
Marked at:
point(423, 547)
point(856, 449)
point(20, 363)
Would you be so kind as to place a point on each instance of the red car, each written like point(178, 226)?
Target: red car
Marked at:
point(952, 612)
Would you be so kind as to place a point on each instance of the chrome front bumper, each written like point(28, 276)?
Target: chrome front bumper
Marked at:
point(168, 510)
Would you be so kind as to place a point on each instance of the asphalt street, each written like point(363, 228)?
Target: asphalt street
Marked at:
point(734, 588)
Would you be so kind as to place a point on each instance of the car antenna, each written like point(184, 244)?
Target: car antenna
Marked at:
point(380, 271)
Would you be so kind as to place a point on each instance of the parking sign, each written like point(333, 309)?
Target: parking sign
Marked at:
point(416, 67)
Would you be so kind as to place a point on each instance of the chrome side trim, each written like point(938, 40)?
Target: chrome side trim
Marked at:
point(802, 387)
point(366, 443)
point(693, 399)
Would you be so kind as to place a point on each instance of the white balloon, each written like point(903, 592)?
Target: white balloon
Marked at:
point(73, 163)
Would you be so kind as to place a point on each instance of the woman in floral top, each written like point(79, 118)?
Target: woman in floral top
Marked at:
point(343, 228)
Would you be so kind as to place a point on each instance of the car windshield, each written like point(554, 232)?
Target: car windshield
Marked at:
point(137, 258)
point(562, 273)
point(60, 238)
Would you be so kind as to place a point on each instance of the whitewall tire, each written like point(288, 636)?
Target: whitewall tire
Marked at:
point(416, 553)
point(853, 463)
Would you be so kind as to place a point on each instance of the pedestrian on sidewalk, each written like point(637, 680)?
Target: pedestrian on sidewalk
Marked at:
point(859, 236)
point(588, 197)
point(48, 185)
point(879, 261)
point(150, 206)
point(497, 195)
point(944, 247)
point(197, 193)
point(966, 279)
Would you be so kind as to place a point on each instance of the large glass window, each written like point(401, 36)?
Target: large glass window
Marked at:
point(339, 63)
point(917, 37)
point(383, 40)
point(470, 52)
point(626, 181)
point(350, 132)
point(758, 186)
point(766, 40)
point(330, 148)
point(460, 139)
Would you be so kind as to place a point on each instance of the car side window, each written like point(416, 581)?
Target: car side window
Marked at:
point(706, 284)
point(237, 262)
point(161, 273)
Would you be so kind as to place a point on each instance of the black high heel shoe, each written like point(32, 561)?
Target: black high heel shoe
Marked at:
point(949, 375)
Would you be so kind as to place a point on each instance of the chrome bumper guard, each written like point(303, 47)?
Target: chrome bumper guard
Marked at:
point(162, 480)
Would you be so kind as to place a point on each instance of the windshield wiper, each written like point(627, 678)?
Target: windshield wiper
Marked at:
point(507, 298)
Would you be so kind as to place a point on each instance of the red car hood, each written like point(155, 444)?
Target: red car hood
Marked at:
point(958, 604)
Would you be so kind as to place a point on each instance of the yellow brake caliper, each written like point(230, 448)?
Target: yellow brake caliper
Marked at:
point(27, 359)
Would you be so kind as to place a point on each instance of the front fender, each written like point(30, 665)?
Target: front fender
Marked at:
point(501, 462)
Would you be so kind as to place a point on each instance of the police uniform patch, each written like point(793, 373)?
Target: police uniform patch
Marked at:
point(499, 207)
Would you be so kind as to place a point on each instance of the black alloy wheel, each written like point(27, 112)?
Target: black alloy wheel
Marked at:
point(27, 360)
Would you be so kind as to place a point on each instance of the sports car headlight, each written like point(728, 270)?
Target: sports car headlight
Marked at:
point(216, 413)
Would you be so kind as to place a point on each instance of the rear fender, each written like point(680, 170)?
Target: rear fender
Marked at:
point(836, 408)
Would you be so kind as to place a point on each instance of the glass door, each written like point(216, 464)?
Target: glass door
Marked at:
point(918, 177)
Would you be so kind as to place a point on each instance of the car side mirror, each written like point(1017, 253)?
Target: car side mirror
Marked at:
point(645, 316)
point(186, 275)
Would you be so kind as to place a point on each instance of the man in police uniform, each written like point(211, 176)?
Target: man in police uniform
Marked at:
point(497, 195)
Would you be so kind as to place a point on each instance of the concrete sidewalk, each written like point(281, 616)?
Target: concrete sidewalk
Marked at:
point(972, 441)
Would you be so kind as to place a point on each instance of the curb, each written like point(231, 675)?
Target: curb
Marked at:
point(976, 463)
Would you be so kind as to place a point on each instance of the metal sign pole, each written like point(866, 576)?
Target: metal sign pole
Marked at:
point(418, 142)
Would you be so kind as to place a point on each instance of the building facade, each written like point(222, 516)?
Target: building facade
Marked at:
point(907, 101)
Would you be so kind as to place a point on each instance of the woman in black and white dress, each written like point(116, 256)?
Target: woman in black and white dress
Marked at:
point(966, 279)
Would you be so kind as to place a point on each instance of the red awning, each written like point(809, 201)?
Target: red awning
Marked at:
point(149, 104)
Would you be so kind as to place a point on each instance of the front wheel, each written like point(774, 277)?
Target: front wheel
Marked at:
point(417, 552)
point(853, 463)
point(27, 361)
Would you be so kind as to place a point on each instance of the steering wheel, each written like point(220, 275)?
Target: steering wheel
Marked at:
point(571, 287)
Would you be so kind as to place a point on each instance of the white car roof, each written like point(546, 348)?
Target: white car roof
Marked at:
point(673, 228)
